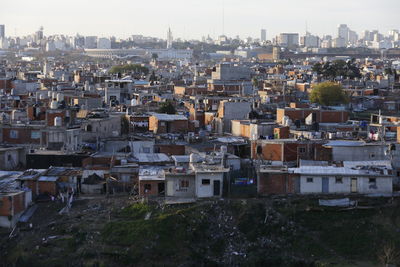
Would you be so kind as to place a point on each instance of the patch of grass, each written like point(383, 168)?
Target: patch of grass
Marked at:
point(136, 211)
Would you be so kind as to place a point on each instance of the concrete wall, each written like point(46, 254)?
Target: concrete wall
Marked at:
point(92, 188)
point(383, 185)
point(173, 188)
point(359, 153)
point(208, 190)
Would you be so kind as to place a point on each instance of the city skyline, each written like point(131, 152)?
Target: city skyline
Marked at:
point(213, 18)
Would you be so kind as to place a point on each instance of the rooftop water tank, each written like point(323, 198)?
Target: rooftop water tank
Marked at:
point(54, 104)
point(60, 97)
point(58, 121)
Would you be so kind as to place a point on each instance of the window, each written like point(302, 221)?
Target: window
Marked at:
point(13, 134)
point(339, 180)
point(35, 135)
point(184, 184)
point(88, 128)
point(372, 155)
point(372, 180)
point(9, 157)
point(310, 180)
point(205, 181)
point(146, 149)
point(147, 188)
point(302, 150)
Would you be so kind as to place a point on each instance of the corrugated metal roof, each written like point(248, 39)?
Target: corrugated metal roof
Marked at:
point(331, 170)
point(345, 143)
point(152, 157)
point(352, 164)
point(169, 117)
point(48, 179)
point(181, 158)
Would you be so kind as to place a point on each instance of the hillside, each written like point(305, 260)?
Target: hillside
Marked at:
point(252, 232)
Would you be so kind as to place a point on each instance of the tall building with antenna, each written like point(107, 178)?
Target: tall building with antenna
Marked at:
point(169, 39)
point(2, 31)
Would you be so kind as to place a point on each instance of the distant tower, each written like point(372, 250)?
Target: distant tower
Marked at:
point(39, 34)
point(2, 31)
point(263, 35)
point(169, 39)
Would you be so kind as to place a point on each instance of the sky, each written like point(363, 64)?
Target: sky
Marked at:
point(191, 19)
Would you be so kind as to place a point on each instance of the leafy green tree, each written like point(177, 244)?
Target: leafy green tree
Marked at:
point(124, 125)
point(130, 68)
point(167, 107)
point(153, 78)
point(331, 70)
point(328, 94)
point(388, 71)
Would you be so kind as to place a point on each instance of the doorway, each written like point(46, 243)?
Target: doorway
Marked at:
point(325, 185)
point(161, 189)
point(353, 188)
point(217, 188)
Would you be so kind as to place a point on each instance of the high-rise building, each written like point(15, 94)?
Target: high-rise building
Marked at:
point(310, 40)
point(169, 39)
point(343, 32)
point(2, 31)
point(263, 35)
point(290, 40)
point(39, 35)
point(90, 42)
point(103, 43)
point(353, 37)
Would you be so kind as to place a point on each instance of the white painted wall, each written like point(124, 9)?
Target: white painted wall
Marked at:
point(383, 185)
point(208, 190)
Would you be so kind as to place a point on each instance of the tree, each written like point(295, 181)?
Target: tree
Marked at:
point(328, 94)
point(167, 107)
point(153, 78)
point(124, 125)
point(331, 70)
point(133, 68)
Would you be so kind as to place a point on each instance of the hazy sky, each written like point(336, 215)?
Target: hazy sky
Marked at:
point(193, 19)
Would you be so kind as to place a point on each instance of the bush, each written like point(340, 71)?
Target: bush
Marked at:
point(328, 94)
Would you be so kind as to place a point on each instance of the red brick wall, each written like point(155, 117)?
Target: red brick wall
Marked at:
point(7, 203)
point(281, 132)
point(154, 188)
point(290, 152)
point(24, 136)
point(269, 151)
point(47, 187)
point(171, 149)
point(179, 126)
point(332, 116)
point(19, 203)
point(6, 206)
point(50, 117)
point(276, 183)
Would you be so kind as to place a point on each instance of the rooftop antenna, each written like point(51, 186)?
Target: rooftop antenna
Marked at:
point(223, 17)
point(306, 27)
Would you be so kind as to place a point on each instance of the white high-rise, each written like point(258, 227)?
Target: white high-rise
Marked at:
point(263, 35)
point(343, 32)
point(169, 39)
point(103, 43)
point(2, 31)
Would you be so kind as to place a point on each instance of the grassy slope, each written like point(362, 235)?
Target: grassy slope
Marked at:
point(260, 232)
